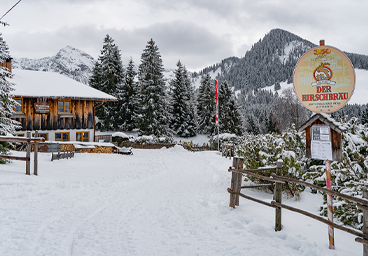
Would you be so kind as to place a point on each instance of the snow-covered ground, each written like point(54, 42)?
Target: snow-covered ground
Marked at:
point(156, 202)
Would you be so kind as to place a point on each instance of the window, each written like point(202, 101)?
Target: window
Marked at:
point(64, 106)
point(82, 136)
point(43, 135)
point(62, 136)
point(19, 107)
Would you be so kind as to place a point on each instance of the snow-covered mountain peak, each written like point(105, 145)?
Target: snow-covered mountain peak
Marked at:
point(69, 61)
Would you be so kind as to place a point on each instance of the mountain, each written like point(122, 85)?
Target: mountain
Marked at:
point(270, 64)
point(69, 61)
point(271, 60)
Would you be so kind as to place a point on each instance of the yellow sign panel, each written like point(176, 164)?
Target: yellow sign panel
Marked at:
point(324, 79)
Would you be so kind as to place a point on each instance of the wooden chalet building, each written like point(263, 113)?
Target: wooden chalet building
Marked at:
point(59, 108)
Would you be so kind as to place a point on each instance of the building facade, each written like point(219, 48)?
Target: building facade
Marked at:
point(59, 108)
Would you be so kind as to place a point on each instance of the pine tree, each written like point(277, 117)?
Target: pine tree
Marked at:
point(206, 106)
point(7, 104)
point(230, 120)
point(129, 99)
point(192, 124)
point(152, 101)
point(108, 76)
point(364, 118)
point(182, 110)
point(252, 126)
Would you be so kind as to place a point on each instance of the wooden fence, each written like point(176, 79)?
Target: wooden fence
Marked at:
point(63, 155)
point(29, 141)
point(236, 180)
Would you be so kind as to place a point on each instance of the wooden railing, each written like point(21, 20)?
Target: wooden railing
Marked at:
point(236, 180)
point(29, 141)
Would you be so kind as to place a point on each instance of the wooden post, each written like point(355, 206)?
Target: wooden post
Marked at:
point(365, 224)
point(239, 178)
point(278, 196)
point(331, 240)
point(233, 183)
point(35, 167)
point(28, 155)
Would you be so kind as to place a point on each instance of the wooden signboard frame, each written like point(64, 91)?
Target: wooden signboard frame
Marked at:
point(335, 135)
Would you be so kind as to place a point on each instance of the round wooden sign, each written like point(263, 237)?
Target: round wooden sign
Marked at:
point(324, 79)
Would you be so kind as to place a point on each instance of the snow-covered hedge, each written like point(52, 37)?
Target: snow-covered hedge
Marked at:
point(348, 177)
point(265, 149)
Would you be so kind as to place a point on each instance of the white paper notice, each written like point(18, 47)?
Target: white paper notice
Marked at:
point(321, 150)
point(321, 132)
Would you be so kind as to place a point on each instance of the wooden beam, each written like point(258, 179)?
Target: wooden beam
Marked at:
point(28, 155)
point(256, 186)
point(22, 139)
point(251, 198)
point(253, 170)
point(361, 240)
point(35, 156)
point(351, 198)
point(22, 158)
point(256, 175)
point(351, 231)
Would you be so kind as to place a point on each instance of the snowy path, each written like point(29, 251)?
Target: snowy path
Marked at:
point(156, 202)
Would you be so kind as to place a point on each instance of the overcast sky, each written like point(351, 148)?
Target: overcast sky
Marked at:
point(198, 32)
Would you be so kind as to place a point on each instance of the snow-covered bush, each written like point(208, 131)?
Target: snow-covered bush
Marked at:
point(264, 151)
point(348, 177)
point(151, 139)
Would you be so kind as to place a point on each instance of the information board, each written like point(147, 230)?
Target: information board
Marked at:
point(321, 146)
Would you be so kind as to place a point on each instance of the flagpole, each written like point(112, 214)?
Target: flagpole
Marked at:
point(217, 120)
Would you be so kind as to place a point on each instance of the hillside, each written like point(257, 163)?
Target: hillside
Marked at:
point(271, 60)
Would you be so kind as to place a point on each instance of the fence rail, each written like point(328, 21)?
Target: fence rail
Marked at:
point(29, 141)
point(237, 171)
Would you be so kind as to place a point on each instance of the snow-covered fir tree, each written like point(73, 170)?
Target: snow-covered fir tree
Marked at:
point(206, 106)
point(153, 110)
point(364, 119)
point(129, 98)
point(183, 121)
point(7, 104)
point(252, 125)
point(108, 76)
point(230, 120)
point(192, 118)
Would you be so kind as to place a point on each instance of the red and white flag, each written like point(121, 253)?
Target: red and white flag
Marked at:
point(216, 88)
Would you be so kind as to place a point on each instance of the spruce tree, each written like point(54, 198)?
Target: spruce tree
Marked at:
point(108, 76)
point(364, 119)
point(230, 120)
point(182, 111)
point(152, 100)
point(7, 104)
point(129, 98)
point(206, 106)
point(192, 124)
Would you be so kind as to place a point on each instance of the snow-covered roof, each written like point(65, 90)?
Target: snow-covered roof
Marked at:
point(53, 85)
point(325, 118)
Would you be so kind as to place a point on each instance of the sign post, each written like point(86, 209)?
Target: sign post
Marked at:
point(324, 81)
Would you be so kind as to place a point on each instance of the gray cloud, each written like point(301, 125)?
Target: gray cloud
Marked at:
point(198, 32)
point(195, 46)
